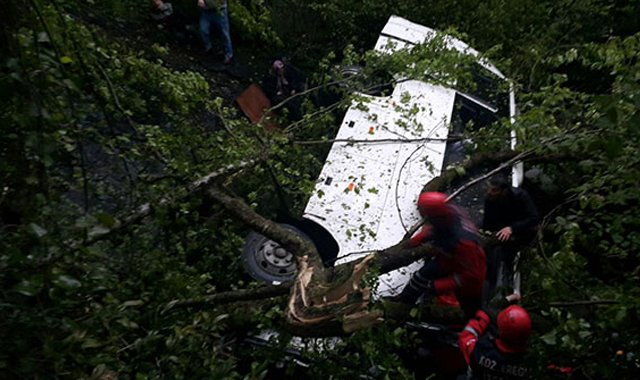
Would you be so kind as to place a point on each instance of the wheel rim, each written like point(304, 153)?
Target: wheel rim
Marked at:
point(275, 260)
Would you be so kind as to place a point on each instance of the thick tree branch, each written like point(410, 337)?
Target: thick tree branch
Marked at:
point(145, 210)
point(387, 260)
point(290, 241)
point(510, 162)
point(320, 305)
point(400, 255)
point(450, 175)
point(231, 296)
point(506, 158)
point(454, 173)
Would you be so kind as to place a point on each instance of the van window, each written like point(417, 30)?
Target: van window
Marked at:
point(490, 89)
point(470, 113)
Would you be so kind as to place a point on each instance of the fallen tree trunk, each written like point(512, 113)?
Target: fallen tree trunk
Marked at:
point(384, 261)
point(299, 247)
point(324, 301)
point(222, 298)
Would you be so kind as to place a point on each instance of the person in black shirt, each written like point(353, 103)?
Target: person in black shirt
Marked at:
point(510, 213)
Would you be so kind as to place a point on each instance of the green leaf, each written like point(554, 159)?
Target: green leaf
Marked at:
point(36, 229)
point(126, 322)
point(97, 231)
point(621, 315)
point(90, 343)
point(66, 60)
point(29, 287)
point(613, 147)
point(67, 282)
point(43, 37)
point(549, 338)
point(105, 219)
point(132, 303)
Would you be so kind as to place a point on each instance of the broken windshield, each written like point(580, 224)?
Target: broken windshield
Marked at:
point(491, 89)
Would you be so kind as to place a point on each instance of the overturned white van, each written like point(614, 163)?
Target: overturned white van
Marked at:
point(365, 197)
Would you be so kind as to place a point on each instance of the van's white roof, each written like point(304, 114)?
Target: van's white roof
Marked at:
point(401, 33)
point(366, 193)
point(356, 197)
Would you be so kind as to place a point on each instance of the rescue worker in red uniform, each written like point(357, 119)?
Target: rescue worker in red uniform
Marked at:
point(500, 358)
point(459, 265)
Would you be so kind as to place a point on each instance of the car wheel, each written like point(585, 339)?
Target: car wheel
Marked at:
point(265, 260)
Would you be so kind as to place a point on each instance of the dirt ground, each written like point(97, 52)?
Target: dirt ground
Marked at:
point(179, 34)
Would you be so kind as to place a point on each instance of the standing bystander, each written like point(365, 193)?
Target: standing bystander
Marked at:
point(215, 12)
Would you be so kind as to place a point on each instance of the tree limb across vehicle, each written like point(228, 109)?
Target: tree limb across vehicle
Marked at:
point(221, 298)
point(319, 296)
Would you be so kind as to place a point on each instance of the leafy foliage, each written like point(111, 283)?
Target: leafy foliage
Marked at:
point(93, 127)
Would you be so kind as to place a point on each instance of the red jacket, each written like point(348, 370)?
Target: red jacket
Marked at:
point(471, 333)
point(461, 258)
point(466, 265)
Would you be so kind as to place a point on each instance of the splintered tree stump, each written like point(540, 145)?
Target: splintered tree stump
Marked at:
point(312, 302)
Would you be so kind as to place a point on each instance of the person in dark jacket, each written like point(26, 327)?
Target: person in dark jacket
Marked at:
point(459, 266)
point(283, 82)
point(510, 213)
point(497, 358)
point(161, 10)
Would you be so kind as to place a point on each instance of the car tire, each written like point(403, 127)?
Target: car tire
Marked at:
point(265, 260)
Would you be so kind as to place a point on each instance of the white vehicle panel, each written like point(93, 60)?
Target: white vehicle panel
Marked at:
point(356, 198)
point(392, 283)
point(405, 30)
point(366, 193)
point(404, 33)
point(389, 45)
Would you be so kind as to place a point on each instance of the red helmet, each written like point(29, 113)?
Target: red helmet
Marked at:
point(514, 328)
point(433, 204)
